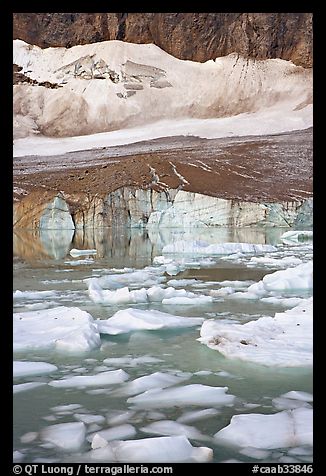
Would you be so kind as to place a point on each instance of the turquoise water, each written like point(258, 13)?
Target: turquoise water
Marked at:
point(43, 263)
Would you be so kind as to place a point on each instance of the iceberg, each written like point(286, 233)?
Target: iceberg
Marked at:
point(195, 394)
point(65, 436)
point(75, 252)
point(165, 449)
point(285, 340)
point(279, 430)
point(103, 378)
point(128, 320)
point(26, 369)
point(66, 329)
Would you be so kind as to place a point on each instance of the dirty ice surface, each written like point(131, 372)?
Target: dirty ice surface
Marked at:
point(132, 381)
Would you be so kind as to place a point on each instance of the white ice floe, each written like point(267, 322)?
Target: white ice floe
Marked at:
point(23, 387)
point(254, 453)
point(297, 395)
point(128, 320)
point(178, 283)
point(285, 340)
point(88, 418)
point(282, 403)
point(103, 378)
point(147, 382)
point(34, 294)
point(188, 301)
point(75, 252)
point(286, 302)
point(279, 430)
point(195, 394)
point(291, 279)
point(18, 457)
point(67, 329)
point(129, 361)
point(296, 236)
point(80, 261)
point(171, 427)
point(204, 248)
point(287, 261)
point(149, 276)
point(29, 437)
point(165, 449)
point(120, 432)
point(26, 369)
point(139, 296)
point(69, 408)
point(117, 417)
point(196, 415)
point(66, 436)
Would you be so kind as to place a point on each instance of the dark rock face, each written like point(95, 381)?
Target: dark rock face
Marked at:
point(189, 36)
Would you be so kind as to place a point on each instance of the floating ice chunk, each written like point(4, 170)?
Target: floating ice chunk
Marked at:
point(88, 419)
point(75, 252)
point(162, 260)
point(284, 340)
point(67, 329)
point(286, 302)
point(300, 451)
point(40, 305)
point(170, 427)
point(279, 430)
point(235, 284)
point(203, 372)
point(177, 283)
point(147, 382)
point(29, 437)
point(125, 296)
point(195, 394)
point(98, 442)
point(282, 403)
point(80, 261)
point(188, 301)
point(115, 433)
point(136, 319)
point(165, 449)
point(66, 408)
point(297, 395)
point(34, 294)
point(26, 369)
point(285, 262)
point(129, 361)
point(117, 417)
point(23, 387)
point(66, 436)
point(254, 453)
point(103, 378)
point(296, 278)
point(196, 415)
point(290, 237)
point(222, 291)
point(303, 426)
point(148, 276)
point(17, 457)
point(203, 248)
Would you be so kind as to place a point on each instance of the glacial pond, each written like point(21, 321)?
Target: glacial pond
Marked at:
point(46, 276)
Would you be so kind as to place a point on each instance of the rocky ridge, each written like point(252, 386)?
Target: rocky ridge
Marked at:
point(189, 36)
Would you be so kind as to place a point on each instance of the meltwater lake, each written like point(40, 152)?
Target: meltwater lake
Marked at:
point(145, 381)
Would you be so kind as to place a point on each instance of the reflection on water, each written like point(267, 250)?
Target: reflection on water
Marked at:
point(118, 243)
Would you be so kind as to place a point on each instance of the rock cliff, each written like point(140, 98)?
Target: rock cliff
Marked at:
point(189, 36)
